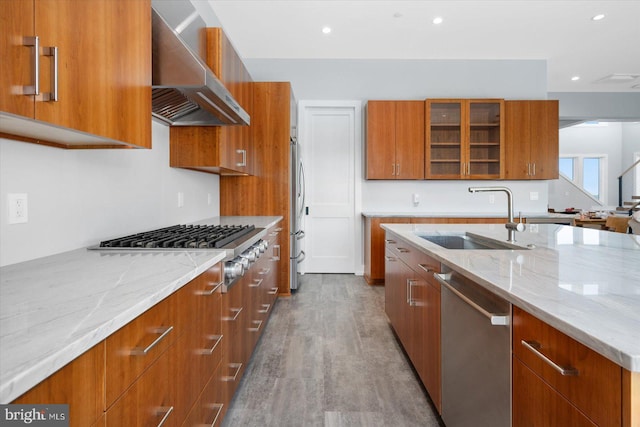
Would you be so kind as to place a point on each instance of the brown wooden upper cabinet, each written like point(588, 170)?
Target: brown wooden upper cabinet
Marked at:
point(532, 134)
point(91, 61)
point(464, 139)
point(395, 140)
point(224, 150)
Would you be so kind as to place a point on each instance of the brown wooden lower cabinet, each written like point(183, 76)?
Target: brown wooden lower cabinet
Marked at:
point(80, 384)
point(592, 384)
point(180, 361)
point(412, 303)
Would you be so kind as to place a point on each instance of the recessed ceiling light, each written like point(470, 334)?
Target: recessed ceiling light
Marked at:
point(575, 78)
point(618, 78)
point(438, 20)
point(397, 15)
point(597, 17)
point(326, 30)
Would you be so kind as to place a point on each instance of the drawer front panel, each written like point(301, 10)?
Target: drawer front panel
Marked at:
point(148, 401)
point(536, 404)
point(134, 347)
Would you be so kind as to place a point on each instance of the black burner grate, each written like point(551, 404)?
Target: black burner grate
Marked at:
point(182, 236)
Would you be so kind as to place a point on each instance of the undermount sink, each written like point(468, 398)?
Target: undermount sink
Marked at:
point(467, 241)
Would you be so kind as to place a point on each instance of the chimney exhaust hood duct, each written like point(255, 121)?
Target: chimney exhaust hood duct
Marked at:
point(185, 92)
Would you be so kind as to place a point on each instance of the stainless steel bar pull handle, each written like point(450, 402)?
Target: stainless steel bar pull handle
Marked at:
point(237, 312)
point(265, 308)
point(496, 318)
point(237, 367)
point(34, 43)
point(53, 52)
point(166, 411)
point(139, 351)
point(393, 169)
point(213, 290)
point(243, 162)
point(535, 346)
point(273, 291)
point(218, 407)
point(397, 169)
point(257, 328)
point(209, 351)
point(426, 268)
point(410, 284)
point(256, 283)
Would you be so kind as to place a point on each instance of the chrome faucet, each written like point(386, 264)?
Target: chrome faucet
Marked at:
point(510, 225)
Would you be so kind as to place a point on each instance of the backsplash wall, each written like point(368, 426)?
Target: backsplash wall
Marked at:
point(77, 198)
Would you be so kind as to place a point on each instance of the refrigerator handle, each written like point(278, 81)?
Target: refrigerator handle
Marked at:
point(302, 190)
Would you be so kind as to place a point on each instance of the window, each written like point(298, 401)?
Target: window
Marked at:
point(591, 176)
point(566, 167)
point(588, 172)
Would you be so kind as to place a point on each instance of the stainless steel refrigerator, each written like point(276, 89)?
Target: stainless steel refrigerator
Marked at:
point(297, 211)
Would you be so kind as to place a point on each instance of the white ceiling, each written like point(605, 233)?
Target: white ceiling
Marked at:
point(559, 31)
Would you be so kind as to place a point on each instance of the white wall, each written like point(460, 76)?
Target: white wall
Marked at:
point(606, 139)
point(77, 198)
point(630, 145)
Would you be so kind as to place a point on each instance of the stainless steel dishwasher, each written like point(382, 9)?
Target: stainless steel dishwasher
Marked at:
point(476, 354)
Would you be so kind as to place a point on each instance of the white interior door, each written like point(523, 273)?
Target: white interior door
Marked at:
point(329, 135)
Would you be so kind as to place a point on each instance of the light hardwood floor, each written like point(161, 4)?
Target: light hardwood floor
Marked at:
point(328, 357)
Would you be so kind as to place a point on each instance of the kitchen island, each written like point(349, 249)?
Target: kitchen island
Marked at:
point(55, 308)
point(584, 283)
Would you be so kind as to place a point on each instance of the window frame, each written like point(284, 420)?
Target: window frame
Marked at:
point(578, 173)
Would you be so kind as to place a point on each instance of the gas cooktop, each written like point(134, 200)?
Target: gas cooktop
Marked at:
point(184, 237)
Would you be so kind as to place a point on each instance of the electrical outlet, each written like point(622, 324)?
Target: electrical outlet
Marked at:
point(18, 208)
point(209, 198)
point(416, 199)
point(180, 199)
point(492, 199)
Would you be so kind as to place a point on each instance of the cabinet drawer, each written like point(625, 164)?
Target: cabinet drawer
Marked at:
point(401, 249)
point(591, 382)
point(148, 402)
point(134, 347)
point(425, 266)
point(536, 404)
point(212, 404)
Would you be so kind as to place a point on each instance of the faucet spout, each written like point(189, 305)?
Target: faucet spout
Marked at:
point(511, 226)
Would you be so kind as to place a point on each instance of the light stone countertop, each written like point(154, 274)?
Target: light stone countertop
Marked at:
point(584, 282)
point(53, 309)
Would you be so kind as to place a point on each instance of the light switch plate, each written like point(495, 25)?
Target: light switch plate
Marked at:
point(533, 195)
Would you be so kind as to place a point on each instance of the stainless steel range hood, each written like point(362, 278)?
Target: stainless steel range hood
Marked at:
point(185, 92)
